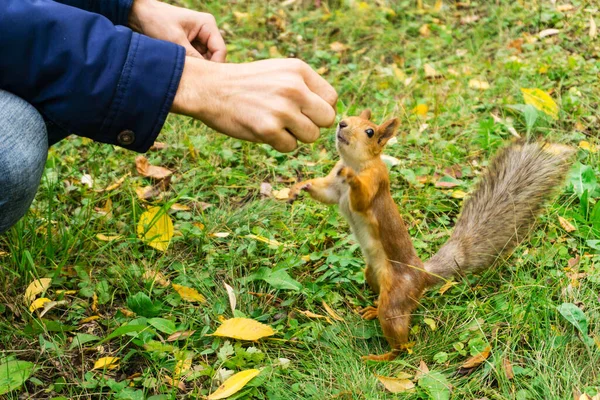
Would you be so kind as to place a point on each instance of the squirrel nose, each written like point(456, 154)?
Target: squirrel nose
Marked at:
point(343, 124)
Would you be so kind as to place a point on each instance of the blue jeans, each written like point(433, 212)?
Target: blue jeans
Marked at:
point(23, 152)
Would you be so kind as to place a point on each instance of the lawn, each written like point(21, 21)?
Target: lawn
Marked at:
point(453, 74)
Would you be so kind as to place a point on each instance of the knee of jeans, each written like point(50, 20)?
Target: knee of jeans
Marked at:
point(23, 152)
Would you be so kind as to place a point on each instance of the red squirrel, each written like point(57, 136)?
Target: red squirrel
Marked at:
point(495, 217)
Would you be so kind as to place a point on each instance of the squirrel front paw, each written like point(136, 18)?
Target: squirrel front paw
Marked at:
point(296, 189)
point(346, 174)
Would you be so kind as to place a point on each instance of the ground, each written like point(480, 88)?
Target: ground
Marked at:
point(453, 75)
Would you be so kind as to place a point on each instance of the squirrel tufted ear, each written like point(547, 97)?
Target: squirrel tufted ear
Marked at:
point(388, 129)
point(366, 114)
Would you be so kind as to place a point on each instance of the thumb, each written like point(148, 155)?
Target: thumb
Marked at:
point(190, 50)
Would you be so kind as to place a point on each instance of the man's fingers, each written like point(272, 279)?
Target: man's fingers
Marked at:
point(318, 110)
point(320, 86)
point(210, 37)
point(190, 50)
point(303, 128)
point(283, 142)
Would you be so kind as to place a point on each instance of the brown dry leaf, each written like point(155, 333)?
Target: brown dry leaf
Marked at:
point(425, 31)
point(516, 44)
point(108, 238)
point(147, 193)
point(477, 359)
point(189, 294)
point(116, 184)
point(566, 225)
point(332, 313)
point(508, 370)
point(174, 382)
point(573, 261)
point(479, 84)
point(231, 296)
point(445, 185)
point(266, 189)
point(430, 72)
point(282, 194)
point(151, 171)
point(180, 207)
point(233, 384)
point(422, 370)
point(395, 385)
point(311, 314)
point(447, 286)
point(338, 47)
point(180, 335)
point(107, 363)
point(469, 19)
point(158, 146)
point(156, 276)
point(89, 319)
point(126, 312)
point(36, 287)
point(243, 329)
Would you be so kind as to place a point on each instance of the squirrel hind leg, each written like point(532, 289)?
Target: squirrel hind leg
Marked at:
point(368, 313)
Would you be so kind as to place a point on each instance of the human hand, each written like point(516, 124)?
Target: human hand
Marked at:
point(196, 31)
point(276, 101)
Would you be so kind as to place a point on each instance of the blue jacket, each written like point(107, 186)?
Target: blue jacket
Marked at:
point(85, 72)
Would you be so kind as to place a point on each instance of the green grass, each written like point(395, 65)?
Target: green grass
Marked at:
point(512, 307)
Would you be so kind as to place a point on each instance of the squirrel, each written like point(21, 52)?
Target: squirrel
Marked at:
point(495, 217)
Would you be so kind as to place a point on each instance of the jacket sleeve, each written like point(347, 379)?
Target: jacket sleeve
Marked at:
point(86, 75)
point(117, 11)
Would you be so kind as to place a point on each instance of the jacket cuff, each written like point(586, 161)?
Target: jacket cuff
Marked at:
point(144, 94)
point(117, 11)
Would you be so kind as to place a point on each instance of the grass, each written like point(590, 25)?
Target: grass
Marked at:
point(512, 307)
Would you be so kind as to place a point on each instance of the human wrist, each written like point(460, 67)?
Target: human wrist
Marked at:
point(138, 8)
point(192, 85)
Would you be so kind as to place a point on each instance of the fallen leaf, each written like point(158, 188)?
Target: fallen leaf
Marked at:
point(438, 5)
point(243, 329)
point(126, 312)
point(151, 171)
point(422, 370)
point(180, 335)
point(87, 180)
point(311, 314)
point(189, 294)
point(566, 225)
point(231, 296)
point(469, 19)
point(424, 30)
point(116, 184)
point(158, 146)
point(541, 100)
point(389, 160)
point(282, 194)
point(338, 47)
point(183, 364)
point(322, 70)
point(108, 238)
point(516, 44)
point(147, 193)
point(36, 287)
point(89, 319)
point(395, 385)
point(447, 286)
point(3, 253)
point(274, 52)
point(220, 234)
point(107, 363)
point(430, 72)
point(234, 384)
point(174, 382)
point(573, 261)
point(548, 32)
point(459, 194)
point(180, 207)
point(95, 302)
point(446, 184)
point(421, 109)
point(585, 145)
point(565, 7)
point(508, 369)
point(593, 29)
point(478, 84)
point(106, 210)
point(240, 16)
point(332, 313)
point(477, 359)
point(39, 303)
point(430, 323)
point(66, 292)
point(155, 228)
point(156, 276)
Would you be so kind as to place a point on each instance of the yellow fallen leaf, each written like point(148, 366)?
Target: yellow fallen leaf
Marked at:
point(564, 7)
point(282, 194)
point(240, 16)
point(430, 323)
point(270, 242)
point(438, 5)
point(183, 364)
point(3, 253)
point(447, 286)
point(39, 303)
point(180, 207)
point(477, 359)
point(593, 29)
point(424, 30)
point(234, 384)
point(421, 109)
point(66, 292)
point(396, 385)
point(36, 287)
point(332, 313)
point(116, 184)
point(311, 314)
point(108, 238)
point(584, 144)
point(107, 363)
point(106, 210)
point(541, 100)
point(174, 382)
point(566, 225)
point(243, 329)
point(338, 47)
point(430, 72)
point(155, 228)
point(126, 312)
point(459, 194)
point(95, 302)
point(478, 84)
point(89, 319)
point(189, 294)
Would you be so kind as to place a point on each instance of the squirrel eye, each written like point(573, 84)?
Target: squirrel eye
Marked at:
point(370, 132)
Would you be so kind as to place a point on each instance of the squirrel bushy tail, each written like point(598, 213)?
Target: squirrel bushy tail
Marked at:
point(502, 209)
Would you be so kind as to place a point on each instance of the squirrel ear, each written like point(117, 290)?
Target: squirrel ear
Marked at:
point(388, 129)
point(366, 114)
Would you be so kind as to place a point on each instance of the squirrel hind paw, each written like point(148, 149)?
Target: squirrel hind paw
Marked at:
point(368, 313)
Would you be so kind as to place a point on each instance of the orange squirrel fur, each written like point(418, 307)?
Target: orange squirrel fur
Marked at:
point(495, 217)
